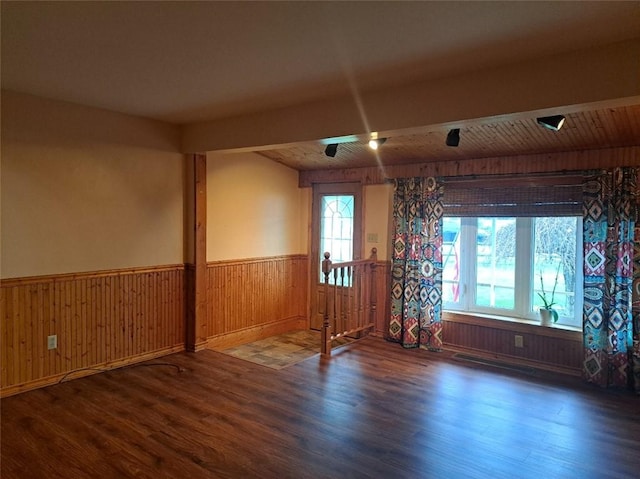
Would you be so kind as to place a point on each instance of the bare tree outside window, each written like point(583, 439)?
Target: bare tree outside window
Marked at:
point(554, 240)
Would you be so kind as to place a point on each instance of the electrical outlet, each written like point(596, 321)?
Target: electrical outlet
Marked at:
point(52, 341)
point(519, 341)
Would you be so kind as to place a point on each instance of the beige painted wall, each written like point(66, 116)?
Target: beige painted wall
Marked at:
point(85, 189)
point(377, 220)
point(254, 208)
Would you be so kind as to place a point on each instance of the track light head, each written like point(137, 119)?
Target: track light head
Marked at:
point(453, 137)
point(374, 143)
point(554, 122)
point(331, 149)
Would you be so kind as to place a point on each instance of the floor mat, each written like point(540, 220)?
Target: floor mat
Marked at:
point(284, 350)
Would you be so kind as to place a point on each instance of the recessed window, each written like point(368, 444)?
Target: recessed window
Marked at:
point(502, 266)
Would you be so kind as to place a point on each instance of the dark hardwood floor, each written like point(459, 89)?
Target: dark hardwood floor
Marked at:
point(373, 410)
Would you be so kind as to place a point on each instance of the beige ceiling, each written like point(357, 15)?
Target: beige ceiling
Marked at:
point(192, 62)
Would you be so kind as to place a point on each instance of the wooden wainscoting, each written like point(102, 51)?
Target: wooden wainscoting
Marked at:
point(256, 298)
point(550, 347)
point(383, 298)
point(101, 319)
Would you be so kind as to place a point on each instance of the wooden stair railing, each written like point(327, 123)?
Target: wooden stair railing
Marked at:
point(349, 298)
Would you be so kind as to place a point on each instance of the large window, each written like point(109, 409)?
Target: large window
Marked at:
point(501, 265)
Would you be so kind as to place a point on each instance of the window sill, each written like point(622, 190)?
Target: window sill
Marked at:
point(513, 324)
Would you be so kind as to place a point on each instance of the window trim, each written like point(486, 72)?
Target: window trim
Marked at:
point(523, 302)
point(316, 289)
point(516, 325)
point(322, 189)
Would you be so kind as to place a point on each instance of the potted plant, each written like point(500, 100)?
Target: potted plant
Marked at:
point(547, 313)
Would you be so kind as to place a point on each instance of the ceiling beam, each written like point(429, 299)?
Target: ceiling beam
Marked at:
point(605, 75)
point(568, 161)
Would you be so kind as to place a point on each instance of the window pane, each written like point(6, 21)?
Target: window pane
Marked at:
point(554, 264)
point(336, 228)
point(496, 262)
point(480, 256)
point(450, 260)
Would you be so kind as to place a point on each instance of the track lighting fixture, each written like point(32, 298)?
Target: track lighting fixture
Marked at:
point(331, 149)
point(554, 122)
point(374, 143)
point(453, 137)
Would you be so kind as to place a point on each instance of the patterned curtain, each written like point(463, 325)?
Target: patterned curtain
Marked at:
point(635, 304)
point(416, 282)
point(611, 276)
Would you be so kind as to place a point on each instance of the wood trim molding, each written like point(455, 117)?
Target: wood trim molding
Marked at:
point(522, 164)
point(197, 309)
point(261, 259)
point(255, 333)
point(12, 282)
point(83, 372)
point(509, 359)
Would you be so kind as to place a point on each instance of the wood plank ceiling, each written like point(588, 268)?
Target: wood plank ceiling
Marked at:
point(583, 130)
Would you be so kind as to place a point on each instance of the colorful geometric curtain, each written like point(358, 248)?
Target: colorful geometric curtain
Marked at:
point(611, 276)
point(416, 281)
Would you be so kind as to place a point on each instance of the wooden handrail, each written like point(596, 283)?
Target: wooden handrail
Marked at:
point(350, 306)
point(372, 259)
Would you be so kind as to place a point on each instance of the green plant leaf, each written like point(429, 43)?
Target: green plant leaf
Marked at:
point(554, 314)
point(544, 300)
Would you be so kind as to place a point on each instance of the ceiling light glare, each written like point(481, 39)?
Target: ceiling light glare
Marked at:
point(375, 143)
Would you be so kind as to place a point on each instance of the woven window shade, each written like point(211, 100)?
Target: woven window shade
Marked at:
point(530, 196)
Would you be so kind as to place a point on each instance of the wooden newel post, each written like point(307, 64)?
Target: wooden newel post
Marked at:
point(325, 347)
point(373, 288)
